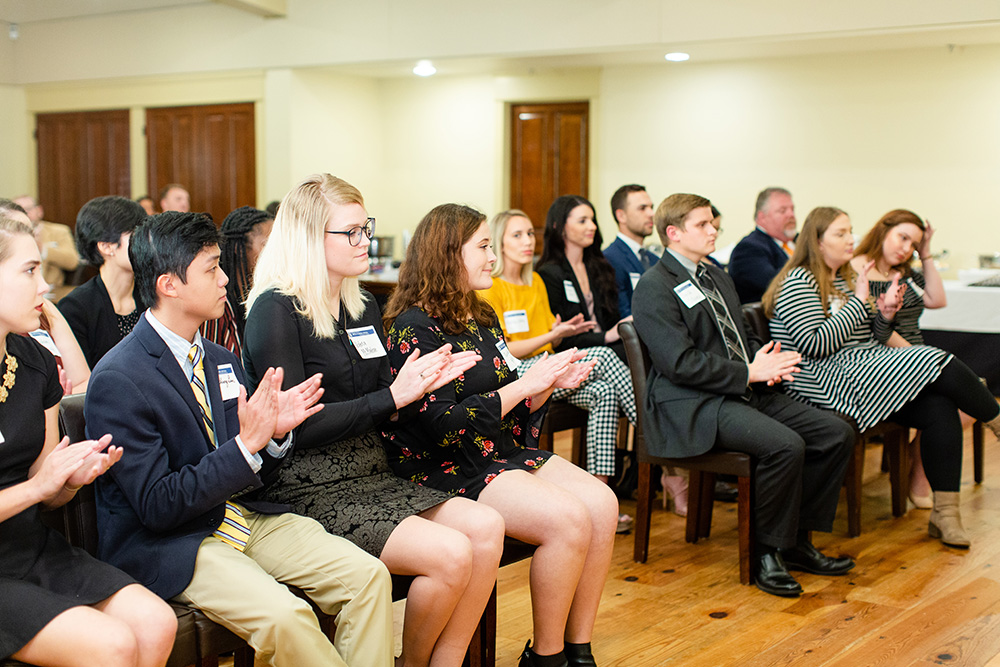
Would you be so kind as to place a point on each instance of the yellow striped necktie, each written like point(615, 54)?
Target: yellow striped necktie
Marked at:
point(234, 529)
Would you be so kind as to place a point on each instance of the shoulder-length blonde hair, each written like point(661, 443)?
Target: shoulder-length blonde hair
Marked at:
point(870, 246)
point(498, 227)
point(433, 275)
point(808, 255)
point(293, 262)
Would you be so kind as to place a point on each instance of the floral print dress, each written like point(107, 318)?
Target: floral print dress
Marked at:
point(459, 442)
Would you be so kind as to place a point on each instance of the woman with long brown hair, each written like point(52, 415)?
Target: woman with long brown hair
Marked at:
point(475, 436)
point(890, 244)
point(820, 307)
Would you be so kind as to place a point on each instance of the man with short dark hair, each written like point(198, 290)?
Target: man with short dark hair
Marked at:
point(633, 210)
point(55, 242)
point(178, 512)
point(710, 385)
point(175, 197)
point(759, 256)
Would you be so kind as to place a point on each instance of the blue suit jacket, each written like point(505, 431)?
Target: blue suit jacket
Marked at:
point(755, 261)
point(624, 262)
point(168, 492)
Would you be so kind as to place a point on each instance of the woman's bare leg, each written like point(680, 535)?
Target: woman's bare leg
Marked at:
point(152, 621)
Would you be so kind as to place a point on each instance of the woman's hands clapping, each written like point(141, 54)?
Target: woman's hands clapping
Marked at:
point(68, 467)
point(422, 373)
point(890, 302)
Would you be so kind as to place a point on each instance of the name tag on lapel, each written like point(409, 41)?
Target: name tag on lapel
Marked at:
point(917, 289)
point(689, 294)
point(516, 321)
point(46, 341)
point(366, 342)
point(228, 384)
point(571, 294)
point(634, 277)
point(508, 358)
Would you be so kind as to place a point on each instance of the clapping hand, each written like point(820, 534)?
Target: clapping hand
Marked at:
point(771, 365)
point(71, 466)
point(421, 373)
point(296, 404)
point(861, 282)
point(572, 327)
point(576, 373)
point(890, 302)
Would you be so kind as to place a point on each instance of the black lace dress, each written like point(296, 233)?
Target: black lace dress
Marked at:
point(41, 576)
point(337, 472)
point(458, 441)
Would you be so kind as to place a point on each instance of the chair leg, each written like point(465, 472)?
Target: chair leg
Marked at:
point(977, 451)
point(643, 511)
point(897, 445)
point(745, 526)
point(706, 503)
point(545, 441)
point(579, 439)
point(693, 524)
point(209, 661)
point(482, 647)
point(243, 657)
point(855, 473)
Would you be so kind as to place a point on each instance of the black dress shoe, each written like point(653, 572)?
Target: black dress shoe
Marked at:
point(530, 659)
point(772, 577)
point(726, 492)
point(579, 655)
point(808, 558)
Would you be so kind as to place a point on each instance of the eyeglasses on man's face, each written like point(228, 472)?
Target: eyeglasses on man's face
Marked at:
point(354, 234)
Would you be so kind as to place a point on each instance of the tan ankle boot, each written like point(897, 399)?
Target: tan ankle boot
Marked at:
point(994, 425)
point(946, 521)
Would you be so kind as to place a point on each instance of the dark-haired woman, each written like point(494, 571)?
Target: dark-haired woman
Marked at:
point(58, 606)
point(888, 247)
point(475, 437)
point(578, 279)
point(244, 233)
point(820, 307)
point(104, 309)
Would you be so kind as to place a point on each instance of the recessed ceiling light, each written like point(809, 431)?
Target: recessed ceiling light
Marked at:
point(424, 68)
point(677, 57)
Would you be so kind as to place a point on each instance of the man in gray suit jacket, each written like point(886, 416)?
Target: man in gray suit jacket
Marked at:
point(711, 385)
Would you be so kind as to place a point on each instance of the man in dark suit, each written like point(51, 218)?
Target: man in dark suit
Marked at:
point(711, 386)
point(633, 209)
point(759, 256)
point(176, 513)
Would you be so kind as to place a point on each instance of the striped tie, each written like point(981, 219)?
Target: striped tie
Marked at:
point(234, 529)
point(726, 324)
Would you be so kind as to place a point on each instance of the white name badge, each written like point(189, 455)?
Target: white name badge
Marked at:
point(634, 277)
point(571, 294)
point(689, 294)
point(508, 358)
point(915, 287)
point(366, 342)
point(515, 321)
point(228, 384)
point(46, 341)
point(2, 439)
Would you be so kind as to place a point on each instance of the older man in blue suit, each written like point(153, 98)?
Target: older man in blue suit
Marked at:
point(759, 256)
point(633, 209)
point(176, 513)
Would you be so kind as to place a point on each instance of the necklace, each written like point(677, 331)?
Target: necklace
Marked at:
point(8, 377)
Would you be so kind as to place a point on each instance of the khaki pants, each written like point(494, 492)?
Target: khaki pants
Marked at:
point(244, 592)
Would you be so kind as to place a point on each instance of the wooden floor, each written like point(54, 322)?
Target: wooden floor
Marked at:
point(909, 601)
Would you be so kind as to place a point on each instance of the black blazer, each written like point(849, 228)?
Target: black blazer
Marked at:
point(553, 274)
point(755, 261)
point(169, 491)
point(691, 372)
point(92, 318)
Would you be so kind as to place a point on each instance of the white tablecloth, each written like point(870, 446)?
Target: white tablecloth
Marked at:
point(972, 309)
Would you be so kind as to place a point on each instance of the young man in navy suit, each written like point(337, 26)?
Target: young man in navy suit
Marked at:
point(711, 385)
point(759, 256)
point(633, 209)
point(178, 513)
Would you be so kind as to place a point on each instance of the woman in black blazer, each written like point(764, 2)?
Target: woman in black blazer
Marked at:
point(577, 277)
point(104, 309)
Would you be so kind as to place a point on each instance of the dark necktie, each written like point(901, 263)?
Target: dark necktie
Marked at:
point(726, 324)
point(646, 258)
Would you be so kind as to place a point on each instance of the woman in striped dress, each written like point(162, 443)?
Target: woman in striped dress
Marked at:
point(820, 307)
point(890, 244)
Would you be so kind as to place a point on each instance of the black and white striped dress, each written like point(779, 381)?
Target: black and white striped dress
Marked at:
point(844, 365)
point(907, 320)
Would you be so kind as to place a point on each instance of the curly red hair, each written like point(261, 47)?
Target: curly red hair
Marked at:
point(433, 275)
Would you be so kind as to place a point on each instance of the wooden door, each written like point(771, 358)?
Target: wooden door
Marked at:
point(549, 151)
point(81, 155)
point(207, 149)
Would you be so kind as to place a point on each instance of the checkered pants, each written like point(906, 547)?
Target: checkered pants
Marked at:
point(605, 394)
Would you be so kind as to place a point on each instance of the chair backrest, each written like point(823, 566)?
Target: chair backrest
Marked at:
point(638, 364)
point(756, 320)
point(79, 516)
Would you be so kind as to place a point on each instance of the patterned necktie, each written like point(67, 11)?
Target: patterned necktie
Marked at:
point(646, 258)
point(234, 529)
point(726, 324)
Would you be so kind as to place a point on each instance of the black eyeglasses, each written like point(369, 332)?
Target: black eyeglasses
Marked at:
point(354, 234)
